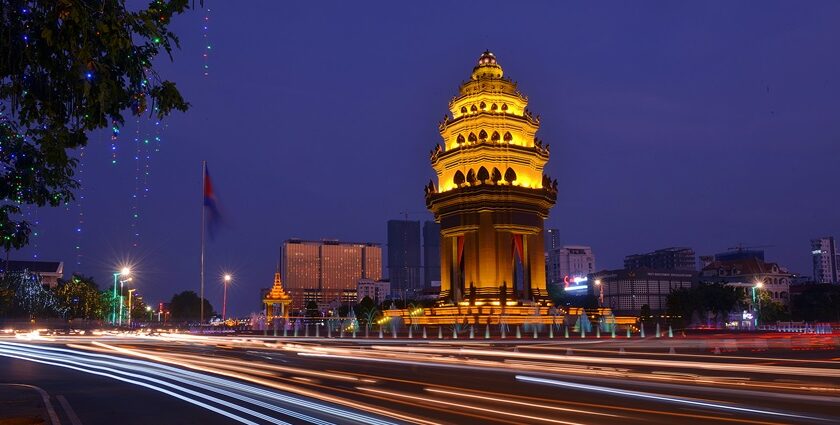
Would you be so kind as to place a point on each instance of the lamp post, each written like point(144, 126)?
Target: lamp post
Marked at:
point(756, 302)
point(225, 281)
point(600, 293)
point(149, 310)
point(124, 272)
point(129, 306)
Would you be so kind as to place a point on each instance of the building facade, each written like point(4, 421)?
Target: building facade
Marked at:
point(769, 277)
point(826, 260)
point(675, 258)
point(376, 290)
point(626, 291)
point(568, 262)
point(404, 266)
point(491, 196)
point(431, 255)
point(328, 270)
point(552, 239)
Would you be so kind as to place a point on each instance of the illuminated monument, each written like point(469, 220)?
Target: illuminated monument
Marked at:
point(492, 196)
point(491, 199)
point(276, 301)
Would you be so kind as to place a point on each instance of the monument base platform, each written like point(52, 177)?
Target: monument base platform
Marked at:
point(495, 315)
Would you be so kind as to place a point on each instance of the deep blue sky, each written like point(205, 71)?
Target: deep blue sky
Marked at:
point(670, 123)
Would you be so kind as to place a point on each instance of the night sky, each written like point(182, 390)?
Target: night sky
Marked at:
point(670, 124)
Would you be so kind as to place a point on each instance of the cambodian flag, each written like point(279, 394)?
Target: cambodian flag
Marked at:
point(213, 217)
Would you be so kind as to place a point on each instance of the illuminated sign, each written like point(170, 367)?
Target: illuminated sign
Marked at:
point(575, 283)
point(816, 252)
point(746, 315)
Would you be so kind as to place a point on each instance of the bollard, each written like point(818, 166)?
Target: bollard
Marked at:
point(472, 332)
point(341, 334)
point(551, 332)
point(317, 331)
point(657, 329)
point(380, 331)
point(598, 332)
point(285, 331)
point(566, 330)
point(582, 332)
point(424, 333)
point(307, 331)
point(612, 332)
point(454, 333)
point(410, 334)
point(670, 332)
point(487, 332)
point(628, 332)
point(440, 332)
point(296, 331)
point(354, 332)
point(518, 333)
point(642, 331)
point(502, 331)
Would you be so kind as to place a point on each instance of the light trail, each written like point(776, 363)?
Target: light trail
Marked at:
point(32, 353)
point(657, 397)
point(467, 406)
point(515, 402)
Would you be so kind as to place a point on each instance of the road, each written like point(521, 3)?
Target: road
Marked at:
point(254, 380)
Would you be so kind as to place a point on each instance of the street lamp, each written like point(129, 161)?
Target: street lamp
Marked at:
point(226, 280)
point(149, 310)
point(129, 305)
point(124, 272)
point(758, 285)
point(600, 292)
point(119, 319)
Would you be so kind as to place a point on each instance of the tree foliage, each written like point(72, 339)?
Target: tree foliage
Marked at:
point(69, 67)
point(80, 298)
point(715, 298)
point(25, 297)
point(817, 303)
point(186, 306)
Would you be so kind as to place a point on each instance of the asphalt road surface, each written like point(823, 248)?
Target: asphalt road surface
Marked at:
point(186, 379)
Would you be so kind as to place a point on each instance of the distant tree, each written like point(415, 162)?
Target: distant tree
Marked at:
point(69, 68)
point(817, 303)
point(186, 306)
point(312, 309)
point(644, 313)
point(79, 298)
point(682, 303)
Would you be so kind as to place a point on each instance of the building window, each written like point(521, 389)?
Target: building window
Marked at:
point(508, 136)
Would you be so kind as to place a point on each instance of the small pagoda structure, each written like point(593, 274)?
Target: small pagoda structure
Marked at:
point(277, 301)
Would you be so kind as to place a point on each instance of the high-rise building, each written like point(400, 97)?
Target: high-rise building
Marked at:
point(492, 195)
point(328, 270)
point(626, 291)
point(552, 239)
point(826, 260)
point(431, 254)
point(676, 258)
point(404, 266)
point(569, 261)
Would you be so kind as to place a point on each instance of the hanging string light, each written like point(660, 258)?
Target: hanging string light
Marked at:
point(206, 39)
point(79, 207)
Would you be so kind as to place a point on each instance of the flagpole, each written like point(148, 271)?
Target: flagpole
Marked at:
point(203, 227)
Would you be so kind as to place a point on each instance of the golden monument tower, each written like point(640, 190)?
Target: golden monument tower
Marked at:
point(492, 196)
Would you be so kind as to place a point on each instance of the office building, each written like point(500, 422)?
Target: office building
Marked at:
point(826, 260)
point(626, 291)
point(327, 271)
point(431, 255)
point(404, 266)
point(676, 258)
point(376, 290)
point(569, 261)
point(552, 239)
